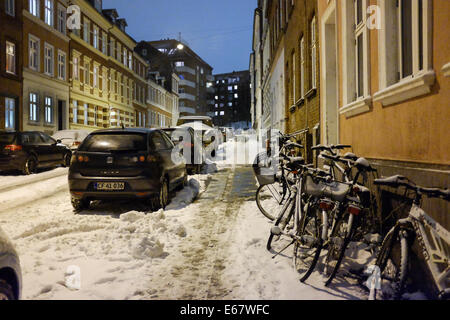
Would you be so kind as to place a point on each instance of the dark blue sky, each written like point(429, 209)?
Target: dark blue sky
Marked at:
point(220, 31)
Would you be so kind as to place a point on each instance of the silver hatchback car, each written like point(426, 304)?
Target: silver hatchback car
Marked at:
point(10, 271)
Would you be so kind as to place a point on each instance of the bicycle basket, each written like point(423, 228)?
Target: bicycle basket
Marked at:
point(263, 169)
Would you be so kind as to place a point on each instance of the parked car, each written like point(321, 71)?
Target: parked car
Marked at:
point(10, 271)
point(125, 163)
point(29, 150)
point(188, 119)
point(191, 164)
point(71, 138)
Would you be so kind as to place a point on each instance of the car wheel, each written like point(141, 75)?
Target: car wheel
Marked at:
point(66, 160)
point(6, 291)
point(30, 165)
point(80, 204)
point(162, 199)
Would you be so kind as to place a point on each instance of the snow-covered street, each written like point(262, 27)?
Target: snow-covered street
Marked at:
point(209, 243)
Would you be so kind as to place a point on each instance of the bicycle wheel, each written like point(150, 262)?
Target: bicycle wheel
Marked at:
point(393, 260)
point(309, 243)
point(338, 242)
point(269, 198)
point(282, 221)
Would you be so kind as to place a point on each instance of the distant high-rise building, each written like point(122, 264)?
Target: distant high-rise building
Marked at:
point(194, 73)
point(232, 100)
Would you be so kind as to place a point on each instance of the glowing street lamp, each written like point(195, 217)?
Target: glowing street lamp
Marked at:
point(180, 46)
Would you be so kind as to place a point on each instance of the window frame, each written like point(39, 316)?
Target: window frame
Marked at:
point(10, 113)
point(10, 8)
point(61, 25)
point(36, 51)
point(33, 105)
point(49, 48)
point(8, 56)
point(49, 12)
point(62, 65)
point(34, 8)
point(48, 110)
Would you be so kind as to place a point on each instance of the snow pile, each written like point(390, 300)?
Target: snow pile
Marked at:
point(148, 248)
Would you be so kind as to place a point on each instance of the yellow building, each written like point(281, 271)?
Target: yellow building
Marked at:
point(385, 86)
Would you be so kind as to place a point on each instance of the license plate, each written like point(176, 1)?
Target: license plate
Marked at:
point(109, 186)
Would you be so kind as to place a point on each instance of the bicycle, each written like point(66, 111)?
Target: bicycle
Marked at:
point(434, 241)
point(274, 189)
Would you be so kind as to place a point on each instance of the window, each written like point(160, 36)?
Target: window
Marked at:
point(87, 73)
point(236, 96)
point(95, 78)
point(124, 56)
point(222, 113)
point(86, 114)
point(34, 111)
point(130, 63)
point(104, 44)
point(9, 9)
point(48, 10)
point(302, 67)
point(10, 121)
point(313, 54)
point(293, 78)
point(179, 64)
point(34, 7)
point(406, 36)
point(75, 111)
point(61, 65)
point(144, 52)
point(10, 57)
point(76, 68)
point(360, 30)
point(48, 60)
point(48, 110)
point(86, 31)
point(34, 53)
point(96, 40)
point(95, 115)
point(62, 19)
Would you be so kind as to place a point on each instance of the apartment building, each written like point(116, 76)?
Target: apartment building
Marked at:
point(232, 100)
point(273, 80)
point(385, 87)
point(11, 65)
point(45, 65)
point(194, 73)
point(256, 72)
point(140, 91)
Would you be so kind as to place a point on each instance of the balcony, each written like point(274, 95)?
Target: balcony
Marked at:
point(187, 96)
point(185, 69)
point(187, 83)
point(187, 110)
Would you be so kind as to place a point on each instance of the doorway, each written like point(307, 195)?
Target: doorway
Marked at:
point(61, 115)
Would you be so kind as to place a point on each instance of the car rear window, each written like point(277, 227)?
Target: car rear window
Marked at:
point(114, 142)
point(7, 138)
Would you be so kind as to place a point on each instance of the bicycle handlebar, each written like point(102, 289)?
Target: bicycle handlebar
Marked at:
point(401, 181)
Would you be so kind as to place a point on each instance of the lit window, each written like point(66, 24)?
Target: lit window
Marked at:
point(95, 77)
point(236, 96)
point(33, 107)
point(86, 31)
point(76, 68)
point(230, 88)
point(10, 57)
point(179, 64)
point(86, 114)
point(96, 40)
point(10, 122)
point(48, 110)
point(48, 9)
point(75, 111)
point(34, 54)
point(34, 7)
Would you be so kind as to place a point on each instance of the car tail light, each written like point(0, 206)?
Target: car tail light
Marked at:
point(83, 159)
point(141, 159)
point(326, 205)
point(353, 209)
point(13, 148)
point(151, 159)
point(76, 143)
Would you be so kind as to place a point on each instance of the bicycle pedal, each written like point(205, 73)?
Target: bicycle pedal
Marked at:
point(276, 231)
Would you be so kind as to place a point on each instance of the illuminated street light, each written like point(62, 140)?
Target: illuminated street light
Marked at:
point(180, 46)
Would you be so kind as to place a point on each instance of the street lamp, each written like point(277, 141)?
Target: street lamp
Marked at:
point(180, 46)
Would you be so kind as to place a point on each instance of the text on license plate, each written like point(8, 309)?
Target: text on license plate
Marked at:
point(110, 186)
